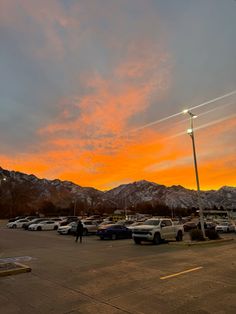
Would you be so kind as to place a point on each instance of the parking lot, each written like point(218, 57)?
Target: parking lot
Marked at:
point(116, 276)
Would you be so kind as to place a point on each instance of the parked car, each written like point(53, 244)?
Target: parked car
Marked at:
point(90, 226)
point(58, 221)
point(125, 222)
point(95, 218)
point(189, 226)
point(43, 225)
point(114, 232)
point(68, 229)
point(34, 221)
point(31, 217)
point(225, 227)
point(156, 230)
point(68, 220)
point(210, 225)
point(17, 224)
point(16, 218)
point(134, 224)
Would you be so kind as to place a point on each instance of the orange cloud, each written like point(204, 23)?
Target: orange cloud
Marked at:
point(147, 155)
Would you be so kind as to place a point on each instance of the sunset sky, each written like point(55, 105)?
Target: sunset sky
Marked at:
point(84, 83)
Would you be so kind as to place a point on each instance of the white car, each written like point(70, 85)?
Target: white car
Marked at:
point(89, 226)
point(225, 227)
point(17, 224)
point(157, 230)
point(68, 229)
point(57, 221)
point(43, 225)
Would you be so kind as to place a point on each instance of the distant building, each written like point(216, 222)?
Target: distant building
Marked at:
point(211, 213)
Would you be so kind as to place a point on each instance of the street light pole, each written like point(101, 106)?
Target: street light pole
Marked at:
point(191, 133)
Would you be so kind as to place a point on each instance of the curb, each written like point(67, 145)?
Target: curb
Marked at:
point(18, 270)
point(194, 243)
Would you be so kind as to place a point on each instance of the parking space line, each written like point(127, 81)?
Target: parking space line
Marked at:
point(181, 273)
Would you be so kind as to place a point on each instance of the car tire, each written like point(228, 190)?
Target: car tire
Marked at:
point(137, 241)
point(179, 236)
point(101, 238)
point(39, 229)
point(56, 227)
point(85, 232)
point(157, 238)
point(113, 236)
point(14, 226)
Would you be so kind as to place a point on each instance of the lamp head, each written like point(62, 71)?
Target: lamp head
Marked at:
point(192, 115)
point(190, 131)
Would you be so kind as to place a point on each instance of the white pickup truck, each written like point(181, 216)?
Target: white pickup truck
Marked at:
point(156, 230)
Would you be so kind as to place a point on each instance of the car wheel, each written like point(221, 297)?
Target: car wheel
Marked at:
point(157, 238)
point(85, 232)
point(14, 226)
point(39, 229)
point(137, 241)
point(69, 232)
point(179, 236)
point(113, 237)
point(102, 238)
point(56, 227)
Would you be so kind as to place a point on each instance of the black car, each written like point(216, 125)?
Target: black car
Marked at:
point(16, 218)
point(190, 226)
point(114, 232)
point(210, 225)
point(68, 220)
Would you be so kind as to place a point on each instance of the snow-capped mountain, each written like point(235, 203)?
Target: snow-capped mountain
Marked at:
point(20, 192)
point(174, 196)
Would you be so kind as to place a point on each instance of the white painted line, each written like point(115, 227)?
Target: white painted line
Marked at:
point(181, 273)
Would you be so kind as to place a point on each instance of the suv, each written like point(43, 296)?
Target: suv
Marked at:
point(156, 230)
point(89, 226)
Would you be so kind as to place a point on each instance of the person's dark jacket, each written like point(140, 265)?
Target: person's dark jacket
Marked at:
point(80, 228)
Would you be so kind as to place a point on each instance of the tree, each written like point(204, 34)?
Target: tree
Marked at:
point(47, 208)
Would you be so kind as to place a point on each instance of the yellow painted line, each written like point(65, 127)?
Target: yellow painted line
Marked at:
point(181, 273)
point(18, 270)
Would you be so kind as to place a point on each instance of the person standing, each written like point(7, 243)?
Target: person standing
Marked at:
point(79, 232)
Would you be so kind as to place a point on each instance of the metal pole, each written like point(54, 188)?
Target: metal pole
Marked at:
point(197, 177)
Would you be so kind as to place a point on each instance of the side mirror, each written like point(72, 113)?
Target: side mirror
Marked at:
point(162, 225)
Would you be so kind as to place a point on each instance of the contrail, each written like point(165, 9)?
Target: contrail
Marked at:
point(180, 113)
point(204, 125)
point(216, 108)
point(206, 112)
point(213, 100)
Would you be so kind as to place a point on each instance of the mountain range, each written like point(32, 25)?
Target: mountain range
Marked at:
point(20, 192)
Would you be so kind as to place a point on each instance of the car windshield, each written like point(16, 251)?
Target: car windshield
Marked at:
point(35, 220)
point(73, 223)
point(152, 222)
